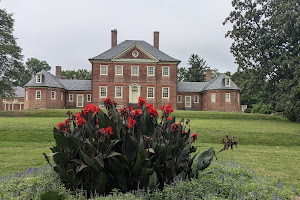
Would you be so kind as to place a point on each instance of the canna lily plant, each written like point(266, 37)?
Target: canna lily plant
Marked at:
point(125, 149)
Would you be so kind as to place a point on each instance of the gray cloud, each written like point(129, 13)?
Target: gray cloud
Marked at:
point(68, 32)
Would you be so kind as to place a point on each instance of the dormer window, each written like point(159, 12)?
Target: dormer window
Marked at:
point(227, 82)
point(38, 78)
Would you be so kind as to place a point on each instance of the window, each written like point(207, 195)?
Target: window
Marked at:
point(15, 100)
point(119, 70)
point(165, 92)
point(118, 106)
point(213, 97)
point(88, 97)
point(70, 97)
point(135, 53)
point(118, 92)
point(61, 96)
point(227, 97)
point(38, 78)
point(4, 100)
point(238, 98)
point(38, 94)
point(179, 99)
point(53, 94)
point(165, 71)
point(227, 82)
point(103, 91)
point(134, 70)
point(150, 71)
point(196, 99)
point(26, 95)
point(150, 92)
point(103, 69)
point(102, 106)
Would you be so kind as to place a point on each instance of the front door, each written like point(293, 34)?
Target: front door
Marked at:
point(79, 100)
point(134, 93)
point(188, 103)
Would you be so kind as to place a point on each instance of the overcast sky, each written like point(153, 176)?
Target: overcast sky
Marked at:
point(69, 32)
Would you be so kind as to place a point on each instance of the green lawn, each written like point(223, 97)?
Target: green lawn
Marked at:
point(270, 145)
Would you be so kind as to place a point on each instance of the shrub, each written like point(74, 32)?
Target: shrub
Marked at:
point(262, 108)
point(125, 150)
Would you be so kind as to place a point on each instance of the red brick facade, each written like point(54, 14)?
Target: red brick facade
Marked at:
point(12, 103)
point(125, 72)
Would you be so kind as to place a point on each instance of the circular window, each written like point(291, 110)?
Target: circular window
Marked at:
point(135, 53)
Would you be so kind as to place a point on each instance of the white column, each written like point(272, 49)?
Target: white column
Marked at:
point(20, 106)
point(4, 106)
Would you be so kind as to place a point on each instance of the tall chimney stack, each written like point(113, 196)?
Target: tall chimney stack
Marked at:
point(156, 39)
point(58, 71)
point(208, 75)
point(114, 37)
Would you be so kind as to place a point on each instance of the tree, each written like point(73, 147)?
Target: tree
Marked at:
point(181, 74)
point(10, 55)
point(266, 48)
point(196, 73)
point(81, 74)
point(34, 66)
point(215, 72)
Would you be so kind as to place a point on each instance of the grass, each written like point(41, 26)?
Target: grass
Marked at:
point(268, 144)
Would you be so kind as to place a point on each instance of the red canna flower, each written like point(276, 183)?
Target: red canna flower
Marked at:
point(81, 122)
point(131, 122)
point(194, 137)
point(61, 126)
point(169, 118)
point(141, 102)
point(152, 111)
point(78, 115)
point(166, 109)
point(107, 131)
point(97, 121)
point(136, 112)
point(175, 127)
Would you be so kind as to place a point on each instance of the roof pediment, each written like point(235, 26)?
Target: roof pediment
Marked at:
point(135, 53)
point(122, 50)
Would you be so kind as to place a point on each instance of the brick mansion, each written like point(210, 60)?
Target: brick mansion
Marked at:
point(126, 71)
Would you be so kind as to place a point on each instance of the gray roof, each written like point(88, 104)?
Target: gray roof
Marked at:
point(19, 92)
point(118, 49)
point(217, 83)
point(49, 80)
point(79, 85)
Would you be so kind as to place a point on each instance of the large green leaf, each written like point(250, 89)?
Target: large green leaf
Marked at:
point(184, 154)
point(152, 181)
point(205, 159)
point(139, 162)
point(111, 145)
point(144, 177)
point(122, 182)
point(102, 181)
point(99, 159)
point(147, 126)
point(130, 145)
point(89, 161)
point(62, 140)
point(60, 157)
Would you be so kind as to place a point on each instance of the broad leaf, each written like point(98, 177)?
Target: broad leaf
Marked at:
point(205, 159)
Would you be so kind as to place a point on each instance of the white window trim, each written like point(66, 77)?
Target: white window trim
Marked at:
point(71, 95)
point(162, 93)
point(36, 94)
point(213, 99)
point(26, 95)
point(186, 101)
point(195, 99)
point(136, 54)
point(116, 67)
point(118, 106)
point(53, 98)
point(148, 71)
point(238, 98)
point(229, 82)
point(102, 106)
point(87, 98)
point(162, 71)
point(4, 100)
point(226, 98)
point(100, 91)
point(180, 98)
point(153, 93)
point(138, 70)
point(61, 96)
point(121, 91)
point(105, 70)
point(15, 100)
point(38, 77)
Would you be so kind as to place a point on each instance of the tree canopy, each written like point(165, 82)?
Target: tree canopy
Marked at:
point(266, 47)
point(81, 74)
point(10, 55)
